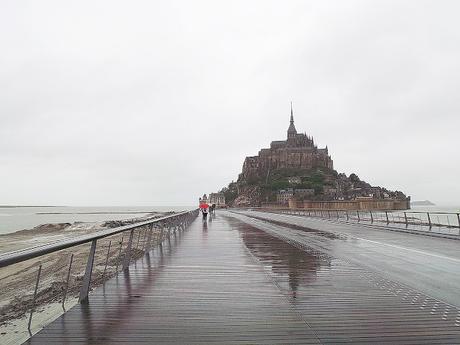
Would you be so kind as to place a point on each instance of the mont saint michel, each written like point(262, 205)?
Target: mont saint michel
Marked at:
point(295, 172)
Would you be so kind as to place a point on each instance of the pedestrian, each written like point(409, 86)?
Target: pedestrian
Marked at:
point(204, 208)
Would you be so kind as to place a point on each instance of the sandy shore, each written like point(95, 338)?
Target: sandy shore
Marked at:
point(17, 281)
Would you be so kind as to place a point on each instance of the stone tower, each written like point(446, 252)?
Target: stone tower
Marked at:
point(292, 132)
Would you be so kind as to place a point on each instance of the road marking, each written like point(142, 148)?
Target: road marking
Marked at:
point(410, 249)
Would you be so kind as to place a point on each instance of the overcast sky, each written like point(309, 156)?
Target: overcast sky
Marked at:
point(155, 103)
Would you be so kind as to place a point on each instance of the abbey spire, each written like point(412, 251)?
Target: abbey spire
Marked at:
point(291, 133)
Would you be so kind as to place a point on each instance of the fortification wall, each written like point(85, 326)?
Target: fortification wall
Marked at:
point(373, 204)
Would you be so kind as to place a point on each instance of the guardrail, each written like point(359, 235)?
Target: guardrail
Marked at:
point(112, 256)
point(441, 222)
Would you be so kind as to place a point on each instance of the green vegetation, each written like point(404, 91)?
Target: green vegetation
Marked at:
point(268, 186)
point(310, 179)
point(230, 192)
point(276, 185)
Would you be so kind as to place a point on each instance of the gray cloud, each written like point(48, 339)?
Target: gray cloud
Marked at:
point(110, 103)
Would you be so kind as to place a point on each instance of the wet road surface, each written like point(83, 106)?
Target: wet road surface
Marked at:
point(229, 282)
point(428, 264)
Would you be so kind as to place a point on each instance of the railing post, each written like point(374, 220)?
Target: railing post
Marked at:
point(168, 225)
point(119, 253)
point(372, 218)
point(162, 233)
point(67, 282)
point(138, 238)
point(148, 247)
point(162, 236)
point(143, 239)
point(127, 257)
point(357, 213)
point(429, 219)
point(34, 299)
point(348, 217)
point(405, 218)
point(458, 219)
point(328, 214)
point(87, 277)
point(386, 215)
point(106, 260)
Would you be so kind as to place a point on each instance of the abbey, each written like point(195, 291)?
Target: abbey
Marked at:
point(298, 151)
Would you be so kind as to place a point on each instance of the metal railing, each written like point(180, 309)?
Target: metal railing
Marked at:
point(140, 238)
point(439, 222)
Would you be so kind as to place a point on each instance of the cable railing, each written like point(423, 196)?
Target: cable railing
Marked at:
point(64, 272)
point(437, 222)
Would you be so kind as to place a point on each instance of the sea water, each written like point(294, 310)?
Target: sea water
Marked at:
point(437, 215)
point(14, 218)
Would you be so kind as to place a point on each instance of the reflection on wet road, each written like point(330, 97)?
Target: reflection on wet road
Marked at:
point(291, 266)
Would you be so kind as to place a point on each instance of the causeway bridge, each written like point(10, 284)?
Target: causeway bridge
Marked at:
point(254, 277)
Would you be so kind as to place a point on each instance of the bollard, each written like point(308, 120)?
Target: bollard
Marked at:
point(357, 213)
point(405, 217)
point(372, 218)
point(386, 215)
point(429, 219)
point(348, 218)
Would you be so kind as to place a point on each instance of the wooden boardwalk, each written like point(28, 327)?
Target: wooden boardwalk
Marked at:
point(230, 283)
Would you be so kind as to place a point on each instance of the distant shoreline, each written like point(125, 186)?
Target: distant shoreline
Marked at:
point(108, 212)
point(21, 206)
point(16, 217)
point(422, 203)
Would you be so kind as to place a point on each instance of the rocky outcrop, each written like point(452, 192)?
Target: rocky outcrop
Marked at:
point(248, 196)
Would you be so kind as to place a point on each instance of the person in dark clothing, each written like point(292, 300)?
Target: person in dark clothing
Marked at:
point(204, 208)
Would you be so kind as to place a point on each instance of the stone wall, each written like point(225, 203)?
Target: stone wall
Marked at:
point(371, 204)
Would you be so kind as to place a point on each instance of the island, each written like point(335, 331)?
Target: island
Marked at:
point(422, 203)
point(295, 173)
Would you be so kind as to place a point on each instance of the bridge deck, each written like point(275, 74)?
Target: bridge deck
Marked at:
point(231, 283)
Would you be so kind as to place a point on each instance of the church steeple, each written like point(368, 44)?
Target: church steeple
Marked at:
point(291, 133)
